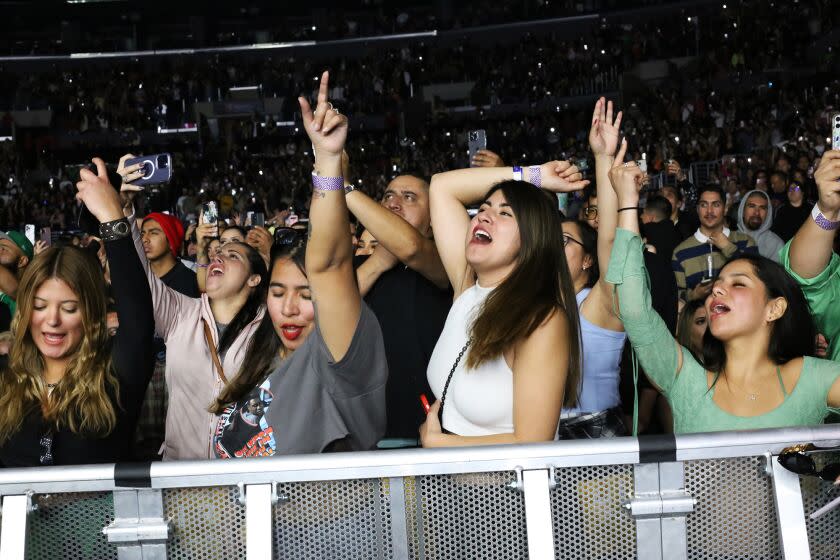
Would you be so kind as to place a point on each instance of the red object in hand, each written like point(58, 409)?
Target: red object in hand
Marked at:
point(425, 403)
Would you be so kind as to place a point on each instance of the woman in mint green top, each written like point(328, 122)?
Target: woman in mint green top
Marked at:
point(757, 372)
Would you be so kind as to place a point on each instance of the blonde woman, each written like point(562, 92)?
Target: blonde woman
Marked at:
point(70, 393)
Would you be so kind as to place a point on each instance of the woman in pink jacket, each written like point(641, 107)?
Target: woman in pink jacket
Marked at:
point(205, 338)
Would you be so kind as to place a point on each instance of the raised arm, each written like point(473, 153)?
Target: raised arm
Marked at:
point(812, 246)
point(399, 237)
point(453, 191)
point(329, 252)
point(603, 139)
point(166, 302)
point(133, 354)
point(661, 359)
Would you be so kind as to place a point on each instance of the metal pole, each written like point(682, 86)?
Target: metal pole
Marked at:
point(538, 515)
point(258, 522)
point(13, 530)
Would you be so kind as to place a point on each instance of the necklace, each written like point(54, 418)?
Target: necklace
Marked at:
point(51, 385)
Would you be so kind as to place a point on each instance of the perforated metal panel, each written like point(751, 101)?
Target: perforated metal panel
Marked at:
point(343, 520)
point(589, 520)
point(69, 526)
point(735, 514)
point(464, 517)
point(823, 533)
point(207, 523)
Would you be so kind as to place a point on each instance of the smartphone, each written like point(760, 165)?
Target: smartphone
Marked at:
point(29, 232)
point(210, 213)
point(257, 219)
point(835, 131)
point(46, 236)
point(424, 402)
point(156, 169)
point(476, 140)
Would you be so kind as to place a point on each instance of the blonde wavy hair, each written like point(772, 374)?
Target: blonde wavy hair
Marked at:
point(82, 400)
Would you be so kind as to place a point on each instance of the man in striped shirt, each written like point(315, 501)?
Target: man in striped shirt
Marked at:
point(698, 259)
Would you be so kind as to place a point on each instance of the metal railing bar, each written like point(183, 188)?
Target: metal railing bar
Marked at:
point(412, 462)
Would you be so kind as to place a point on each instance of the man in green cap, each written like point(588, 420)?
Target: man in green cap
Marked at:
point(15, 253)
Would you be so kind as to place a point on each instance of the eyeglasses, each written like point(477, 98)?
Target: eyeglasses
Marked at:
point(796, 461)
point(287, 235)
point(567, 238)
point(590, 212)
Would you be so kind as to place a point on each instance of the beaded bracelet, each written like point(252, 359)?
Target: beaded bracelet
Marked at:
point(534, 175)
point(327, 183)
point(821, 220)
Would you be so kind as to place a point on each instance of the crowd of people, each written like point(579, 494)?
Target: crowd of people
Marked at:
point(465, 310)
point(317, 291)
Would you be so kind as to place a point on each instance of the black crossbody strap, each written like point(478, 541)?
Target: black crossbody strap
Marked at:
point(446, 385)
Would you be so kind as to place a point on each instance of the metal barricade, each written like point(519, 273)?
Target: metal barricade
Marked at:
point(701, 172)
point(697, 497)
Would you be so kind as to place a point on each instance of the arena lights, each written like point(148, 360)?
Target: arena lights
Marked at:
point(187, 127)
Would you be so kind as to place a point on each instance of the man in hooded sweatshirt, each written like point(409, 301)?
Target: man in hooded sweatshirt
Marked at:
point(755, 218)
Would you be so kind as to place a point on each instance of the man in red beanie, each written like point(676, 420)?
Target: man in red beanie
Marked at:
point(162, 236)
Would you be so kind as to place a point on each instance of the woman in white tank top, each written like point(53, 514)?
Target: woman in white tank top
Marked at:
point(511, 340)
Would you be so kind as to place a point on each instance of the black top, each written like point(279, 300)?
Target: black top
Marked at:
point(133, 362)
point(664, 236)
point(411, 311)
point(687, 224)
point(182, 280)
point(789, 219)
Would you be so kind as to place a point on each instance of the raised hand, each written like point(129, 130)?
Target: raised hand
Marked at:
point(626, 178)
point(97, 194)
point(40, 247)
point(326, 127)
point(129, 173)
point(604, 132)
point(486, 158)
point(827, 177)
point(561, 176)
point(260, 239)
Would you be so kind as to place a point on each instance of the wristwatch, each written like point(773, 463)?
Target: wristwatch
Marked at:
point(116, 229)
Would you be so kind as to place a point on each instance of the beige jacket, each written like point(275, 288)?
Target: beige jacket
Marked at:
point(191, 379)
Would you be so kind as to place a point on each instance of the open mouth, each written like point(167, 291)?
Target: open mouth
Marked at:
point(291, 332)
point(54, 339)
point(215, 270)
point(481, 237)
point(717, 309)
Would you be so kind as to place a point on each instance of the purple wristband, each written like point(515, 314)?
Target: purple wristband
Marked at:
point(327, 183)
point(821, 220)
point(534, 176)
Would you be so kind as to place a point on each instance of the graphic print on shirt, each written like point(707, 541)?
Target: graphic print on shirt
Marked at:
point(242, 430)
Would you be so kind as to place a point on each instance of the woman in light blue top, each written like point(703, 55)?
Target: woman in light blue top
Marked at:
point(602, 333)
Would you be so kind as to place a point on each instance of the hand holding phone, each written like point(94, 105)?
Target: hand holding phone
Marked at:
point(155, 169)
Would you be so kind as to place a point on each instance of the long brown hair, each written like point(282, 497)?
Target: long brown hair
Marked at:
point(265, 345)
point(538, 286)
point(82, 400)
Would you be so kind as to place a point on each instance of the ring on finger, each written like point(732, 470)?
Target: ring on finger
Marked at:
point(627, 163)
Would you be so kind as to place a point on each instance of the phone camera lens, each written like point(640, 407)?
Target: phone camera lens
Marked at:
point(162, 162)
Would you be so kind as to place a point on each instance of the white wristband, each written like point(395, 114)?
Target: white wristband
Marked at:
point(821, 220)
point(517, 173)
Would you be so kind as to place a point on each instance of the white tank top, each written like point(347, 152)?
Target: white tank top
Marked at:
point(479, 401)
